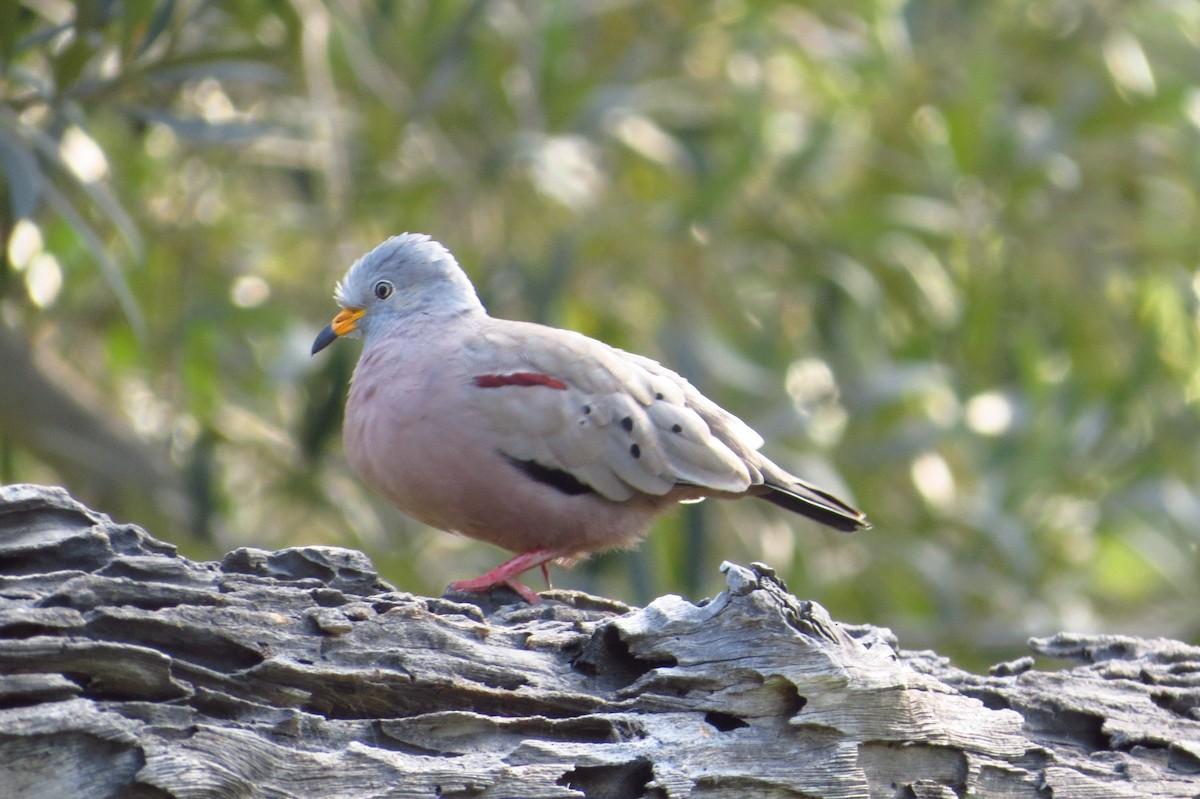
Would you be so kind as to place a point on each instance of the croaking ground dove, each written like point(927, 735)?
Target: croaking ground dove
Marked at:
point(542, 441)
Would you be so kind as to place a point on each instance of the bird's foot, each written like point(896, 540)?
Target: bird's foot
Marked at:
point(506, 574)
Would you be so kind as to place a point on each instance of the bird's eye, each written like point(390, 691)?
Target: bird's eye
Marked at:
point(384, 289)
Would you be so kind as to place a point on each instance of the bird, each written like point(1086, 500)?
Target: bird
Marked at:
point(542, 441)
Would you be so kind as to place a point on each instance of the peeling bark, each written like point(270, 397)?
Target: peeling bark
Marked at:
point(128, 671)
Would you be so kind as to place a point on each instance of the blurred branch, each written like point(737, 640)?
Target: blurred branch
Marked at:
point(326, 117)
point(97, 454)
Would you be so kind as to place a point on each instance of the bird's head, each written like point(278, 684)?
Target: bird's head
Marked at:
point(406, 276)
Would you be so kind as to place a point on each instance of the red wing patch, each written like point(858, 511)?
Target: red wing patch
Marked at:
point(520, 379)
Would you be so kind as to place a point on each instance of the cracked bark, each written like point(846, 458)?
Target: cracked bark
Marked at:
point(128, 671)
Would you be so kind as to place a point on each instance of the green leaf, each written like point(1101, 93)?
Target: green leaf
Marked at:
point(143, 22)
point(47, 147)
point(10, 15)
point(108, 267)
point(69, 64)
point(201, 130)
point(20, 171)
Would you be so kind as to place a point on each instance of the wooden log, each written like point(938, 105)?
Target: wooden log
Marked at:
point(128, 671)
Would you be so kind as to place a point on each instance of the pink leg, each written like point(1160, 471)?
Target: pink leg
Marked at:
point(506, 573)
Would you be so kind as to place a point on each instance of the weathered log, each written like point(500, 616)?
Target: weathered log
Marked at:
point(128, 671)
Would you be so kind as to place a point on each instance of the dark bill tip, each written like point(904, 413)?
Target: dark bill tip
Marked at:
point(324, 339)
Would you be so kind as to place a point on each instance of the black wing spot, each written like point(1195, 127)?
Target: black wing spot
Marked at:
point(565, 482)
point(635, 451)
point(627, 423)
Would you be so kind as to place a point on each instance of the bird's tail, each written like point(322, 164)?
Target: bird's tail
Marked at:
point(808, 500)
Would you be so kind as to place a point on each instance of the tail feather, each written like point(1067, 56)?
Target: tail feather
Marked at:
point(818, 505)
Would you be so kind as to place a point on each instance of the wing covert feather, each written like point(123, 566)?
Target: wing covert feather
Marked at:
point(624, 423)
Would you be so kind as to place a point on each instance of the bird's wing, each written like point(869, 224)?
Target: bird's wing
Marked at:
point(617, 422)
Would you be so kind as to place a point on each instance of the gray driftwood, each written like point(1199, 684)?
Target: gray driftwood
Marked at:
point(128, 671)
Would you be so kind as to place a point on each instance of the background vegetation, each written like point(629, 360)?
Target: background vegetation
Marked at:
point(942, 254)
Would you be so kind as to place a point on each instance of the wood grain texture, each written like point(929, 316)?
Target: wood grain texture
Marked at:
point(128, 671)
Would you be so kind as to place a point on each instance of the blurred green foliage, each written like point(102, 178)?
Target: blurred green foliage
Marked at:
point(942, 254)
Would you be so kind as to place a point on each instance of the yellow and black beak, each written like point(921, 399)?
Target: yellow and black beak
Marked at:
point(343, 323)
